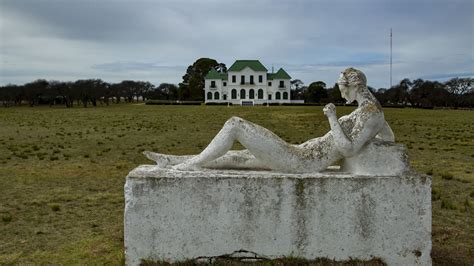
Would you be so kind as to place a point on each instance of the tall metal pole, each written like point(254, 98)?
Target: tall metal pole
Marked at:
point(390, 57)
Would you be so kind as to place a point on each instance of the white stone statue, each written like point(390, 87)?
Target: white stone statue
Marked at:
point(349, 137)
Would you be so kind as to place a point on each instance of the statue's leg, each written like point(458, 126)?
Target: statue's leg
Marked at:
point(163, 160)
point(241, 159)
point(269, 149)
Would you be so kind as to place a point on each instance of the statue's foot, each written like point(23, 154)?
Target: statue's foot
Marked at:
point(162, 160)
point(186, 167)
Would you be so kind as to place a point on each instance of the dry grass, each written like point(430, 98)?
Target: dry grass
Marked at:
point(62, 171)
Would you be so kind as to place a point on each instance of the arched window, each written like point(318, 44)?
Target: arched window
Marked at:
point(209, 95)
point(234, 94)
point(277, 95)
point(242, 94)
point(216, 95)
point(285, 95)
point(260, 94)
point(251, 94)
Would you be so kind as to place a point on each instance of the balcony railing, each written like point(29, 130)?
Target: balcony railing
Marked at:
point(282, 87)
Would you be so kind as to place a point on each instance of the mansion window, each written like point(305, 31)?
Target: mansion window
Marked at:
point(282, 85)
point(216, 95)
point(209, 95)
point(270, 97)
point(251, 94)
point(234, 79)
point(285, 95)
point(260, 78)
point(234, 94)
point(269, 83)
point(251, 79)
point(260, 94)
point(213, 84)
point(242, 94)
point(242, 79)
point(277, 96)
point(225, 83)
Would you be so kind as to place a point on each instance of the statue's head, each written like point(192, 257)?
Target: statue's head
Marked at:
point(351, 82)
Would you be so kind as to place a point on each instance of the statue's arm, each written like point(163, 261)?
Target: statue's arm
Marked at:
point(386, 133)
point(363, 131)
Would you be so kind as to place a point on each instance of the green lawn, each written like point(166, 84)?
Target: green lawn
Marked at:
point(62, 171)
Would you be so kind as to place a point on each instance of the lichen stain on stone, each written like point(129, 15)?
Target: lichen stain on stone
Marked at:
point(361, 183)
point(250, 210)
point(301, 240)
point(415, 179)
point(417, 253)
point(425, 178)
point(365, 213)
point(370, 108)
point(276, 209)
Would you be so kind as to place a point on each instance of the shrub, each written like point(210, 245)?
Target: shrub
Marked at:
point(7, 217)
point(55, 207)
point(467, 203)
point(435, 194)
point(448, 204)
point(447, 176)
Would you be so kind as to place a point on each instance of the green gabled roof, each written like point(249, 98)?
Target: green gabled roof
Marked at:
point(253, 64)
point(213, 74)
point(280, 74)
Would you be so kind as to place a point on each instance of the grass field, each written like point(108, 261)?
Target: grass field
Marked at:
point(62, 171)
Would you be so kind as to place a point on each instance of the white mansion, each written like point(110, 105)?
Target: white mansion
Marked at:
point(247, 83)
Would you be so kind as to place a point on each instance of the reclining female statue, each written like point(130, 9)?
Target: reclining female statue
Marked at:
point(265, 150)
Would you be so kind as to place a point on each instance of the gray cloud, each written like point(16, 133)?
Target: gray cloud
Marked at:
point(444, 76)
point(134, 66)
point(156, 40)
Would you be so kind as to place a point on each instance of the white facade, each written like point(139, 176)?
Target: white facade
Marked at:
point(247, 86)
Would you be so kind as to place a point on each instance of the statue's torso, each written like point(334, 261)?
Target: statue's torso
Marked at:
point(324, 150)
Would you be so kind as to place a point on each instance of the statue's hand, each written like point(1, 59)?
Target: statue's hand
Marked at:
point(330, 110)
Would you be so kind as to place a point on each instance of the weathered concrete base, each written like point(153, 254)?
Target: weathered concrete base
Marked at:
point(175, 215)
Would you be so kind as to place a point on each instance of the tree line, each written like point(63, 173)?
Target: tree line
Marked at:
point(82, 92)
point(91, 92)
point(456, 92)
point(419, 93)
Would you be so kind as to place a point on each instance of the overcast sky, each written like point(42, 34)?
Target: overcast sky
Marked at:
point(312, 40)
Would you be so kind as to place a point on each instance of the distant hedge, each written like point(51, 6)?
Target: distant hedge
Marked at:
point(163, 102)
point(218, 103)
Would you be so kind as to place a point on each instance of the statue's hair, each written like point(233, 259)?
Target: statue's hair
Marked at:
point(354, 77)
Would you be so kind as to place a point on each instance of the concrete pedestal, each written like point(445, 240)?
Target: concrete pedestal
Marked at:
point(175, 215)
